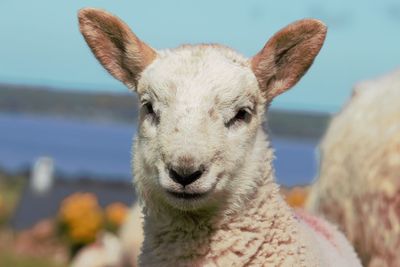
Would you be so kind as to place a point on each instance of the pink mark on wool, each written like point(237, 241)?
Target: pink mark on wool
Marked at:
point(319, 225)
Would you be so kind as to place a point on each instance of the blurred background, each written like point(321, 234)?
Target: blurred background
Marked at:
point(66, 125)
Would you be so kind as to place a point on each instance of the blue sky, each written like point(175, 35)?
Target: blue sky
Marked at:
point(40, 43)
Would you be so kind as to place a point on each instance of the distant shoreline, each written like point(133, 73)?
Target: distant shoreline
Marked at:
point(122, 108)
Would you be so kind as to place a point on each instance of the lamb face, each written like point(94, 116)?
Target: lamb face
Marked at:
point(201, 107)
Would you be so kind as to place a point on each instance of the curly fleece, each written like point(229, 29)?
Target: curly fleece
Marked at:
point(359, 186)
point(266, 233)
point(202, 109)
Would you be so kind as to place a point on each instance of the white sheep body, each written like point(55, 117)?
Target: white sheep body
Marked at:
point(359, 187)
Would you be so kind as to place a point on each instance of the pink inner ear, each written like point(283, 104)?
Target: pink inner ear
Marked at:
point(116, 47)
point(287, 56)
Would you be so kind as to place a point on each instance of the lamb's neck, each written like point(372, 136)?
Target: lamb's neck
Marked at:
point(199, 240)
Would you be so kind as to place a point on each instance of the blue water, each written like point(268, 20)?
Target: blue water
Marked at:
point(103, 149)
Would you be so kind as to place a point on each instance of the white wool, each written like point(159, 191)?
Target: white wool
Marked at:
point(358, 187)
point(131, 236)
point(186, 85)
point(105, 252)
point(202, 162)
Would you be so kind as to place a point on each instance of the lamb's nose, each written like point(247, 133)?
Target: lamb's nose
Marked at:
point(185, 176)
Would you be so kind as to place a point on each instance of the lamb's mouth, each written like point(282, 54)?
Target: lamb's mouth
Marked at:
point(187, 196)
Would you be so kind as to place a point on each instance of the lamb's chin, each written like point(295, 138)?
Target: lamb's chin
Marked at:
point(187, 196)
point(188, 201)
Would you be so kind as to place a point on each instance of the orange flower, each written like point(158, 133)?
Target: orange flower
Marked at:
point(83, 217)
point(296, 197)
point(116, 213)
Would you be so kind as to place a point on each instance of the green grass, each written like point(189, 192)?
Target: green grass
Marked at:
point(10, 190)
point(8, 258)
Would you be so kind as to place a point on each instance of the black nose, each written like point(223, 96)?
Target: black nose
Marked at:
point(185, 176)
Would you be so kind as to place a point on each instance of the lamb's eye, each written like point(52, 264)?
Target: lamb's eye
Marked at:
point(149, 112)
point(242, 115)
point(148, 108)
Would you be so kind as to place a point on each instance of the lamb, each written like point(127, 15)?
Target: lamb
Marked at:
point(359, 187)
point(131, 236)
point(202, 163)
point(104, 252)
point(110, 250)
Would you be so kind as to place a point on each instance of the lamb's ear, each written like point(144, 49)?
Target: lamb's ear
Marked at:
point(117, 48)
point(287, 56)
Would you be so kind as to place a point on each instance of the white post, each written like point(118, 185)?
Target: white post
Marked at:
point(42, 175)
